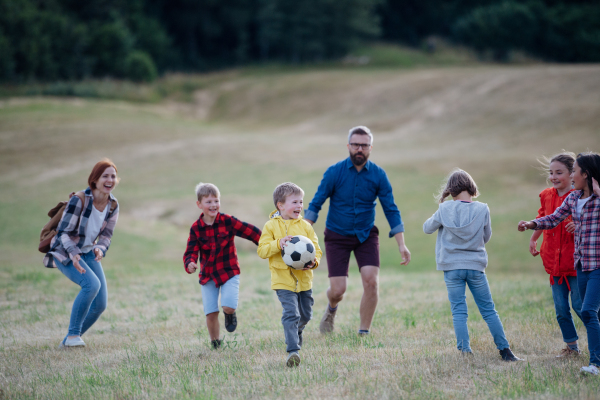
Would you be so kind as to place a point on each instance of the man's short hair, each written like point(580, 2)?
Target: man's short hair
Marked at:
point(205, 190)
point(360, 130)
point(284, 190)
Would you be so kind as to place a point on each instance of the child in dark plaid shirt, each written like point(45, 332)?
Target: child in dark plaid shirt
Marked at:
point(583, 205)
point(212, 237)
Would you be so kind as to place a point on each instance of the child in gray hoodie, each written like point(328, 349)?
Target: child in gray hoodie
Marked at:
point(464, 227)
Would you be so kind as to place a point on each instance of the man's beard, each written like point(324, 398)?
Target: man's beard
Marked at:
point(358, 159)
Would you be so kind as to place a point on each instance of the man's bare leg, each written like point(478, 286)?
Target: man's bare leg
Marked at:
point(368, 303)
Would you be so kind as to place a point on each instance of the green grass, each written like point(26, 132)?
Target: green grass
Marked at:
point(261, 130)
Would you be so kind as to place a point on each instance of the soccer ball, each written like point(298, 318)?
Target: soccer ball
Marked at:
point(298, 252)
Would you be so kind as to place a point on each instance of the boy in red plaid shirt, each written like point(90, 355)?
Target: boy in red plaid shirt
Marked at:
point(212, 236)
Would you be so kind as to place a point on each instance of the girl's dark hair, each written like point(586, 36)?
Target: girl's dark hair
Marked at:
point(566, 158)
point(458, 181)
point(590, 165)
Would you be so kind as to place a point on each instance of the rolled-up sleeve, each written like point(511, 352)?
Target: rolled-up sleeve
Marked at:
point(392, 213)
point(323, 192)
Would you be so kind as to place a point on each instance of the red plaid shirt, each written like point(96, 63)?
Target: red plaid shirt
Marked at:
point(587, 228)
point(215, 244)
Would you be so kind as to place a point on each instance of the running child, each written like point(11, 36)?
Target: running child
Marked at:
point(293, 287)
point(557, 250)
point(464, 227)
point(583, 205)
point(212, 236)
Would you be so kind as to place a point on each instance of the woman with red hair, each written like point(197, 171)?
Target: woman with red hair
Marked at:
point(82, 239)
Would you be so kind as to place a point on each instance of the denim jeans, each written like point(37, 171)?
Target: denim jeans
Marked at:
point(560, 294)
point(91, 300)
point(456, 281)
point(230, 293)
point(297, 311)
point(589, 290)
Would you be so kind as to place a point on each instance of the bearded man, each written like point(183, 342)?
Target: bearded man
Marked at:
point(352, 186)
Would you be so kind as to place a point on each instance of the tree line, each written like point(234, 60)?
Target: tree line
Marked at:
point(139, 39)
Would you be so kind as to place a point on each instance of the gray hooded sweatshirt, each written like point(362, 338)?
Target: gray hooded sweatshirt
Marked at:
point(463, 230)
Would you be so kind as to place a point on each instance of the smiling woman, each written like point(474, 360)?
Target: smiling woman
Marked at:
point(84, 235)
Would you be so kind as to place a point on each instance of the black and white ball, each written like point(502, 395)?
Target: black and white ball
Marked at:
point(299, 252)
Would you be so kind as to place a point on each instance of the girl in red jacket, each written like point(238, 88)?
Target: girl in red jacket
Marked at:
point(558, 248)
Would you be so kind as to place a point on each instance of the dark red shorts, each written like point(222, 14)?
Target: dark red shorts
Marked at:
point(338, 248)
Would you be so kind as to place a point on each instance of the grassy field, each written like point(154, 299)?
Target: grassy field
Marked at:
point(248, 132)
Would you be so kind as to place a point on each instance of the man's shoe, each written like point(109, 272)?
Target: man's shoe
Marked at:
point(327, 322)
point(230, 321)
point(75, 342)
point(363, 333)
point(507, 355)
point(216, 344)
point(568, 352)
point(293, 359)
point(590, 369)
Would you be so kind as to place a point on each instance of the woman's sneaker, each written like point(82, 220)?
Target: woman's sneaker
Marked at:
point(590, 369)
point(230, 321)
point(507, 355)
point(293, 359)
point(75, 342)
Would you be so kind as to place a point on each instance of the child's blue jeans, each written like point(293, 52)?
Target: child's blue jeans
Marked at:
point(230, 292)
point(560, 294)
point(92, 298)
point(456, 281)
point(297, 311)
point(589, 290)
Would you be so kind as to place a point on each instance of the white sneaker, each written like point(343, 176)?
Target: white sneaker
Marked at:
point(75, 342)
point(293, 359)
point(590, 369)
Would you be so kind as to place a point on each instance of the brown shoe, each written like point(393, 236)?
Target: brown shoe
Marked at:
point(567, 352)
point(327, 322)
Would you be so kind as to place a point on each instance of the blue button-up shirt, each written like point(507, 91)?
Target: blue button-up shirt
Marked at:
point(352, 196)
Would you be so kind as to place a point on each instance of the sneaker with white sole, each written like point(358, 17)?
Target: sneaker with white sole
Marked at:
point(568, 352)
point(75, 342)
point(590, 369)
point(293, 359)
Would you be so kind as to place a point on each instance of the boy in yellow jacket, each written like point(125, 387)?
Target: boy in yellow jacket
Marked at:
point(293, 286)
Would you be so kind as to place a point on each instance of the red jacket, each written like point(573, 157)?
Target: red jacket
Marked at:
point(558, 244)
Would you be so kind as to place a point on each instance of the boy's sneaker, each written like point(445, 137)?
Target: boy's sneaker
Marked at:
point(216, 344)
point(293, 359)
point(327, 322)
point(568, 352)
point(507, 355)
point(75, 342)
point(590, 369)
point(467, 353)
point(230, 321)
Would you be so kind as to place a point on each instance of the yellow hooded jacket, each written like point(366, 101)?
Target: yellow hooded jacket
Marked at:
point(282, 276)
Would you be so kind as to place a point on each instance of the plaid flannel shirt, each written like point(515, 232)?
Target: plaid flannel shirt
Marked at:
point(587, 228)
point(215, 244)
point(70, 234)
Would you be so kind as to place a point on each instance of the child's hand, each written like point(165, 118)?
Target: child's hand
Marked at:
point(570, 227)
point(524, 225)
point(311, 265)
point(533, 248)
point(284, 240)
point(192, 267)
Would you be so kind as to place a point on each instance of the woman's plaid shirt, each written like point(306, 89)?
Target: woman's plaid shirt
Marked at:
point(70, 234)
point(587, 228)
point(215, 244)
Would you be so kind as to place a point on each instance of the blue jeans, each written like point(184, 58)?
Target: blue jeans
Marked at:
point(297, 311)
point(91, 300)
point(589, 290)
point(560, 294)
point(230, 292)
point(456, 281)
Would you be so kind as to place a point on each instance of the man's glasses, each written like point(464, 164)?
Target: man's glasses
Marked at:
point(356, 146)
